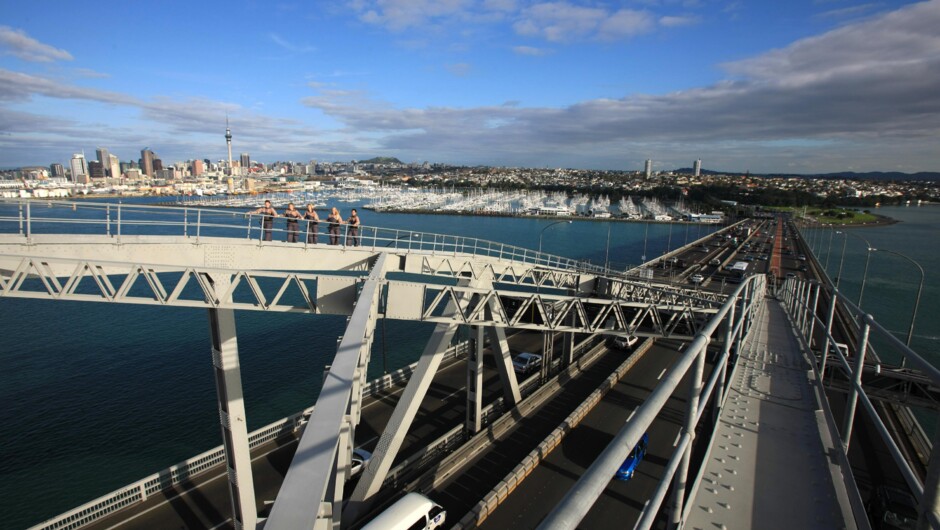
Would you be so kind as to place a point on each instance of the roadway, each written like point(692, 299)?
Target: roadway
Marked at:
point(204, 501)
point(622, 502)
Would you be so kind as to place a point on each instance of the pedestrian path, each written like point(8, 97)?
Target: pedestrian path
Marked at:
point(768, 466)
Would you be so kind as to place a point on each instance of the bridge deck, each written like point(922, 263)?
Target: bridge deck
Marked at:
point(769, 465)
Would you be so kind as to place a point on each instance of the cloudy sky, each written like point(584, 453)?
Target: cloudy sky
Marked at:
point(796, 86)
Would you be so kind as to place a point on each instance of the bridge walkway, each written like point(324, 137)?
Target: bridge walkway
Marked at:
point(770, 464)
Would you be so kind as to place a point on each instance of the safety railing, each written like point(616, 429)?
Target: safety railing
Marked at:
point(734, 318)
point(801, 299)
point(29, 218)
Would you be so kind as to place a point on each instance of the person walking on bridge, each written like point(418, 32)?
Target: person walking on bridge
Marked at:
point(313, 221)
point(334, 220)
point(292, 215)
point(352, 238)
point(267, 220)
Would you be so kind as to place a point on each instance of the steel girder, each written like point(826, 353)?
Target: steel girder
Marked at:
point(312, 492)
point(544, 312)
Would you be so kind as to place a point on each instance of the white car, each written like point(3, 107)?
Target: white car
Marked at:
point(526, 362)
point(697, 278)
point(360, 459)
point(625, 343)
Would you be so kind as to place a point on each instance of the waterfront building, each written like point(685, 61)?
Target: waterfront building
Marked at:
point(146, 162)
point(114, 168)
point(79, 168)
point(96, 169)
point(104, 160)
point(697, 168)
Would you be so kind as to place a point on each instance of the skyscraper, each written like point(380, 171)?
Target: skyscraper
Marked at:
point(146, 162)
point(245, 162)
point(56, 170)
point(697, 168)
point(115, 171)
point(104, 158)
point(79, 169)
point(228, 142)
point(648, 170)
point(197, 168)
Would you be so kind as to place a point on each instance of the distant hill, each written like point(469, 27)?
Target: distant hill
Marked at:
point(871, 175)
point(381, 160)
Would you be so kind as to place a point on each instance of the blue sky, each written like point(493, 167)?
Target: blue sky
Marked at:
point(768, 86)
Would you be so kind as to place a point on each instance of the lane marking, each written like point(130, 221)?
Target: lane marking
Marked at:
point(660, 376)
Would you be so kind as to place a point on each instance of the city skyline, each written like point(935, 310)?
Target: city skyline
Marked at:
point(805, 87)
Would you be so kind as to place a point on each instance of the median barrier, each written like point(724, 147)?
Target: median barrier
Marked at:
point(481, 511)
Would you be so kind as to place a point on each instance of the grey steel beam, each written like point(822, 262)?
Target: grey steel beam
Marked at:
point(311, 493)
point(234, 423)
point(402, 417)
point(475, 381)
point(503, 356)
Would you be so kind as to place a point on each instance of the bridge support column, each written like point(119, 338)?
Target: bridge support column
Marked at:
point(680, 481)
point(475, 381)
point(857, 378)
point(548, 353)
point(500, 348)
point(826, 341)
point(228, 384)
point(393, 436)
point(930, 502)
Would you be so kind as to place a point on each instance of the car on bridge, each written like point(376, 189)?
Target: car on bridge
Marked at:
point(526, 363)
point(697, 278)
point(715, 262)
point(628, 468)
point(624, 343)
point(360, 459)
point(892, 508)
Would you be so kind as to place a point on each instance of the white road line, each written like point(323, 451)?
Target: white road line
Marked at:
point(660, 376)
point(632, 414)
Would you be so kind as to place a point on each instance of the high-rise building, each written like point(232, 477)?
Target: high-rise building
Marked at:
point(56, 170)
point(697, 168)
point(79, 168)
point(115, 171)
point(146, 162)
point(157, 165)
point(228, 142)
point(104, 158)
point(197, 168)
point(648, 169)
point(245, 162)
point(95, 170)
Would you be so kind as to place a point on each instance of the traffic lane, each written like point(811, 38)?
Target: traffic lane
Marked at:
point(621, 503)
point(205, 502)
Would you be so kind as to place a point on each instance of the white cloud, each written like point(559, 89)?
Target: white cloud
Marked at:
point(529, 50)
point(677, 21)
point(21, 45)
point(280, 41)
point(867, 86)
point(458, 69)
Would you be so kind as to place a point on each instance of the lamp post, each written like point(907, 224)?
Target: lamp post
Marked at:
point(829, 250)
point(546, 228)
point(607, 253)
point(920, 290)
point(861, 292)
point(845, 239)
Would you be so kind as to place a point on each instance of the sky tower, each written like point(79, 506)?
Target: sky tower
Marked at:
point(228, 141)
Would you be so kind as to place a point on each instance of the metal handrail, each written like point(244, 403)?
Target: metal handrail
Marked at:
point(119, 220)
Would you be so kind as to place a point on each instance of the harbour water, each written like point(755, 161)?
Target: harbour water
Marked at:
point(97, 395)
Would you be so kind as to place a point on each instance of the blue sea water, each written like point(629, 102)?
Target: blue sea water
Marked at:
point(97, 396)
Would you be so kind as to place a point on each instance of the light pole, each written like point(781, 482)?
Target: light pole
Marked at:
point(546, 228)
point(845, 239)
point(861, 292)
point(829, 251)
point(920, 290)
point(607, 253)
